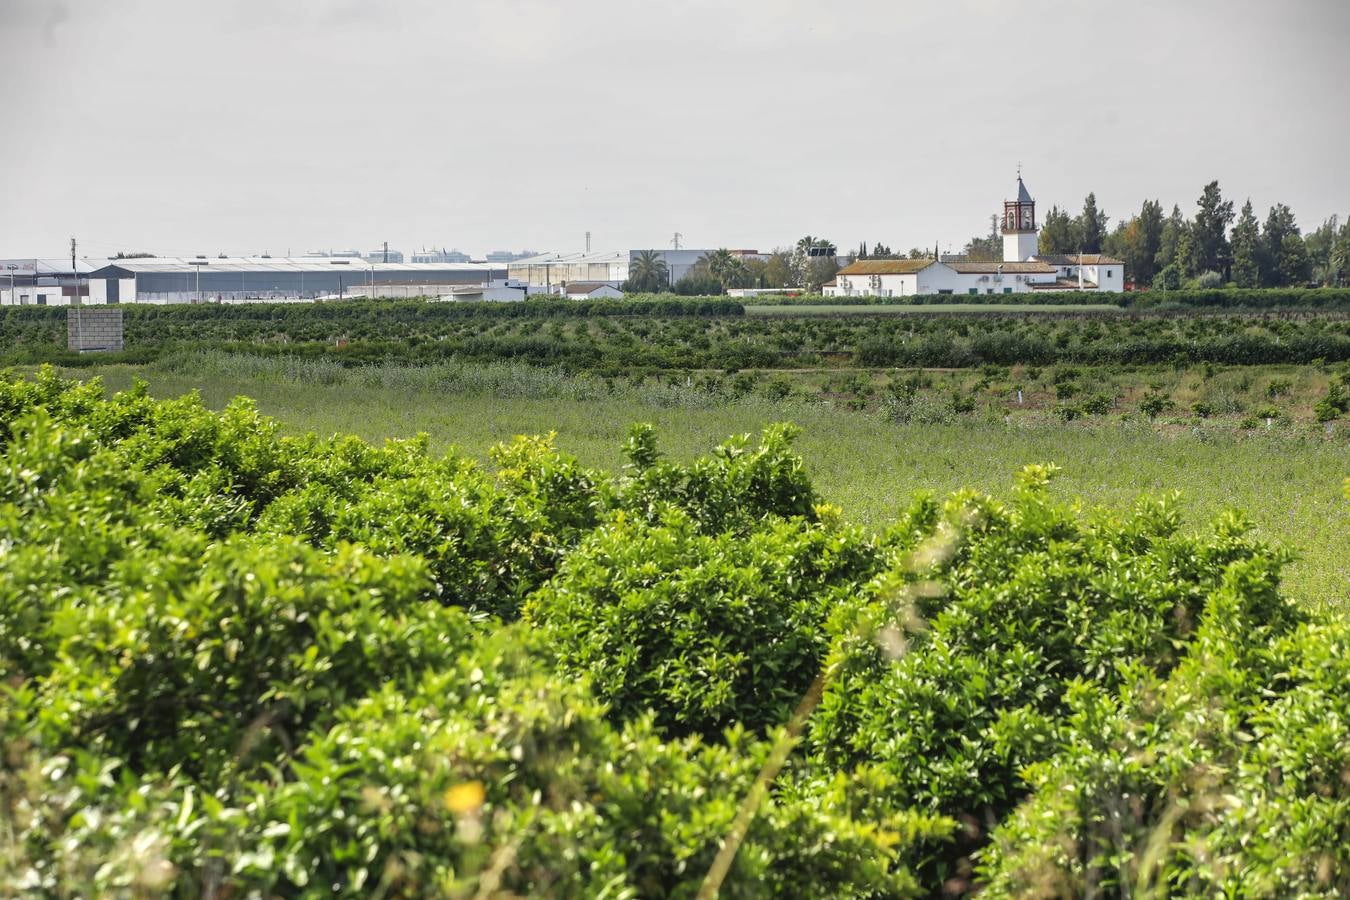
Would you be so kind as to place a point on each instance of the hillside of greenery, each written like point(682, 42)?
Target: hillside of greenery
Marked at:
point(237, 663)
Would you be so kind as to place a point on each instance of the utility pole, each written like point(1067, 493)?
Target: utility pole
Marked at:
point(386, 251)
point(588, 242)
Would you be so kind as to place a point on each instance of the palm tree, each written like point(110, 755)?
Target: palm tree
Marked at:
point(648, 272)
point(738, 274)
point(720, 264)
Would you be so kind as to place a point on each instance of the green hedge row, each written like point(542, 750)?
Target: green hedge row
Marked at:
point(1222, 298)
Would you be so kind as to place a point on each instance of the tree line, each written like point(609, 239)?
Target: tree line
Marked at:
point(808, 265)
point(1213, 248)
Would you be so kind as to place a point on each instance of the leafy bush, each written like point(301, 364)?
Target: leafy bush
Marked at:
point(238, 663)
point(1155, 403)
point(1336, 402)
point(706, 631)
point(1019, 603)
point(1226, 777)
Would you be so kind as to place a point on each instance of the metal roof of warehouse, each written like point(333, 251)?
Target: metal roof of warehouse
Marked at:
point(48, 265)
point(575, 256)
point(283, 264)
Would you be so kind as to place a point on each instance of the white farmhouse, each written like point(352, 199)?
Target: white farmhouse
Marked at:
point(1021, 271)
point(591, 290)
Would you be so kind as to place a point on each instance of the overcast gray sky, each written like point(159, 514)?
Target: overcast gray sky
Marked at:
point(179, 126)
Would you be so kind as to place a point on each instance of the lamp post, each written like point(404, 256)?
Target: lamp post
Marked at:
point(11, 268)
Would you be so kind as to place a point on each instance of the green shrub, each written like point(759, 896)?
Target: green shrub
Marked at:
point(706, 631)
point(237, 663)
point(1098, 404)
point(1226, 777)
point(1155, 403)
point(1018, 602)
point(1336, 402)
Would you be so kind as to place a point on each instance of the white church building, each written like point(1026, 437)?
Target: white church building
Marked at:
point(1023, 269)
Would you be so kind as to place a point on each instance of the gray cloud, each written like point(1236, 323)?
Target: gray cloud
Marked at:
point(198, 126)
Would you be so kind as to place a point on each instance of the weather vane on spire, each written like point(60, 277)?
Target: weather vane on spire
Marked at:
point(1019, 170)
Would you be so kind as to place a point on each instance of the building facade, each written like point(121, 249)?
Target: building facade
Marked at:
point(553, 270)
point(250, 279)
point(1022, 270)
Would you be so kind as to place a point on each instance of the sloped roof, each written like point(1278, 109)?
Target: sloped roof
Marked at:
point(28, 266)
point(1007, 268)
point(1075, 259)
point(586, 287)
point(175, 264)
point(1022, 195)
point(886, 266)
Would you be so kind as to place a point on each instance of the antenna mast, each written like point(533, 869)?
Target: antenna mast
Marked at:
point(74, 276)
point(676, 241)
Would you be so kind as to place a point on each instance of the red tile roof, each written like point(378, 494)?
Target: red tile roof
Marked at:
point(1007, 268)
point(885, 266)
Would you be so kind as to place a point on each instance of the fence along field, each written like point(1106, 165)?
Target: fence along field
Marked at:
point(293, 666)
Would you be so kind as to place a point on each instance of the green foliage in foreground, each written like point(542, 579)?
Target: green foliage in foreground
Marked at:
point(243, 663)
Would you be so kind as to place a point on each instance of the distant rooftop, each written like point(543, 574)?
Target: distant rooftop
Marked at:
point(286, 264)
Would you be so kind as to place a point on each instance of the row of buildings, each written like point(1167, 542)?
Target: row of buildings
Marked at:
point(340, 275)
point(425, 255)
point(1023, 268)
point(453, 276)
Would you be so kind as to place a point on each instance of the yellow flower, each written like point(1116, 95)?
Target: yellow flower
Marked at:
point(465, 798)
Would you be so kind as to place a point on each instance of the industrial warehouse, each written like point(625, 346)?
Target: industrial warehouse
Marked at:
point(243, 279)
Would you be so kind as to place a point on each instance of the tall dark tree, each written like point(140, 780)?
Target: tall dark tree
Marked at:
point(1059, 233)
point(1247, 249)
point(1209, 234)
point(1280, 224)
point(1293, 263)
point(1340, 257)
point(1320, 242)
point(1091, 226)
point(1169, 242)
point(1137, 243)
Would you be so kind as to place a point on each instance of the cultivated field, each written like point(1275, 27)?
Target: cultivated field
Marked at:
point(402, 601)
point(1287, 477)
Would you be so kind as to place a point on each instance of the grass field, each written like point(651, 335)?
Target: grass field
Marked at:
point(841, 309)
point(1288, 483)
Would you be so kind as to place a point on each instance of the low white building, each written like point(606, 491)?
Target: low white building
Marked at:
point(591, 290)
point(251, 279)
point(920, 277)
point(550, 270)
point(48, 281)
point(1098, 271)
point(1022, 269)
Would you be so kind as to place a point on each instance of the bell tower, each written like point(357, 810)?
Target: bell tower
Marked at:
point(1020, 241)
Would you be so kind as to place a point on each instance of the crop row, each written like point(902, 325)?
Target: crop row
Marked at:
point(411, 335)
